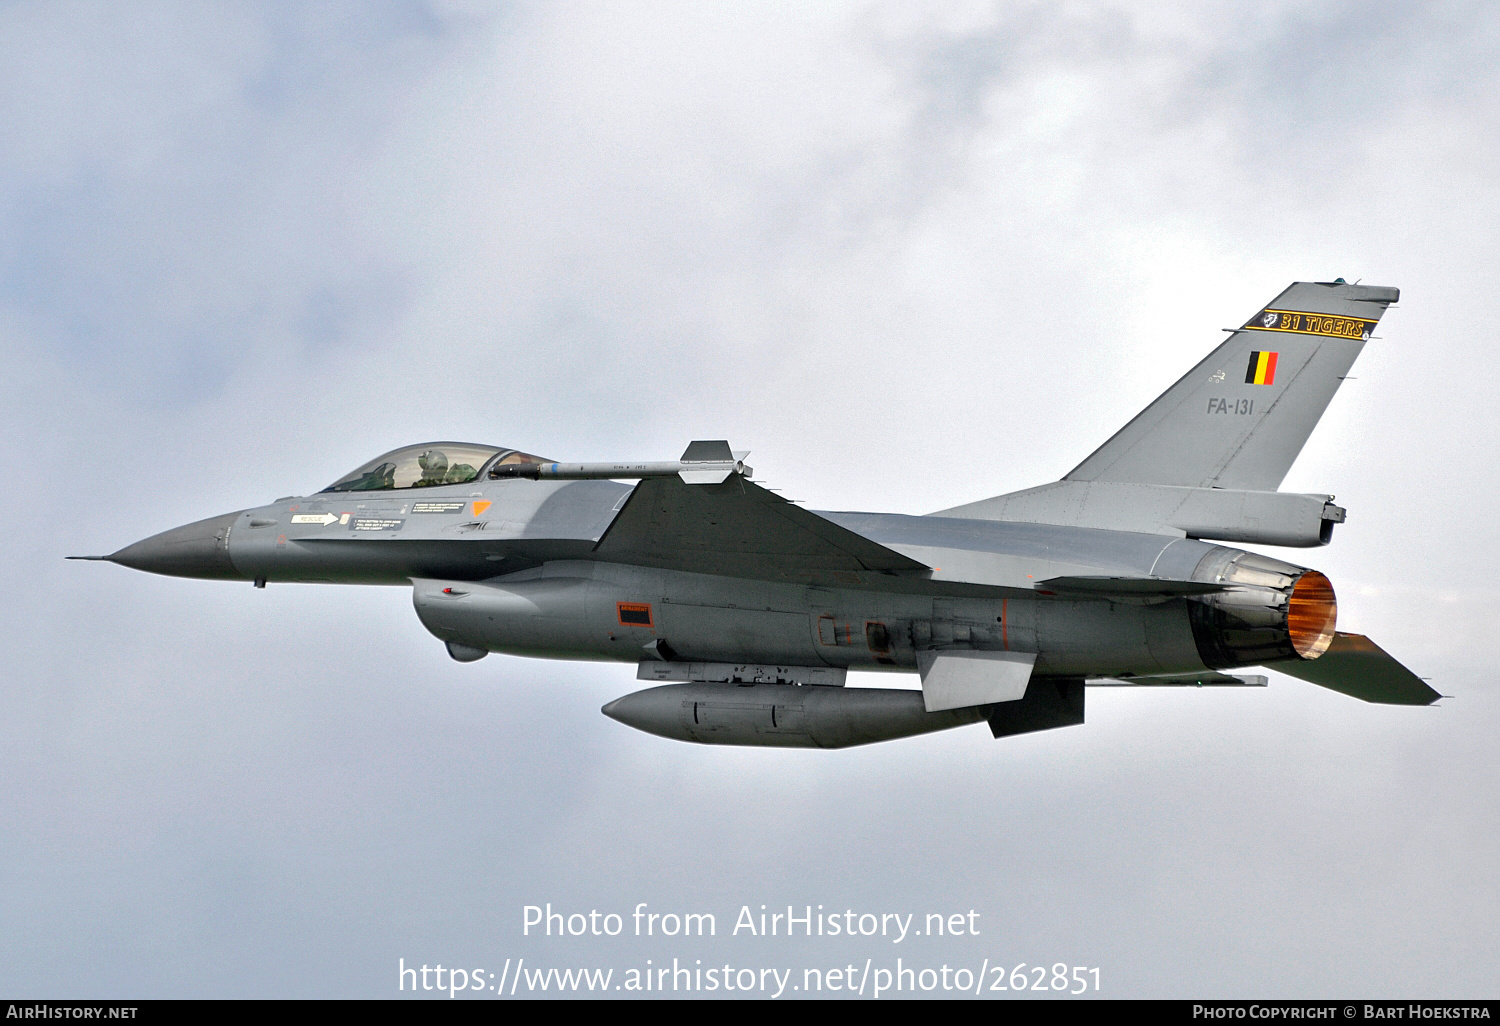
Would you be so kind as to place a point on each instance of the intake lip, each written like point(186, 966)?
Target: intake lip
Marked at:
point(1312, 615)
point(198, 549)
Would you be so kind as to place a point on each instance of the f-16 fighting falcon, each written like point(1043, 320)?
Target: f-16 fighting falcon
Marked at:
point(744, 611)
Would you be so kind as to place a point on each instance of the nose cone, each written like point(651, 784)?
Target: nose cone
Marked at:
point(193, 550)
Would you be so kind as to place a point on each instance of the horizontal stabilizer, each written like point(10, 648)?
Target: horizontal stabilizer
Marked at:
point(738, 529)
point(1124, 587)
point(1356, 666)
point(963, 678)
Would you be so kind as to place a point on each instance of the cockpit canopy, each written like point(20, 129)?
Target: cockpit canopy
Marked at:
point(426, 466)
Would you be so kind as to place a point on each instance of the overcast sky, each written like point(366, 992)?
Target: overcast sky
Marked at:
point(910, 254)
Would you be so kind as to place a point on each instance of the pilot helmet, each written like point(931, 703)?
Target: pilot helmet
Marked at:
point(434, 465)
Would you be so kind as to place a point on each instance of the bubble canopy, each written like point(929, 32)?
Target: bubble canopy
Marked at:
point(427, 466)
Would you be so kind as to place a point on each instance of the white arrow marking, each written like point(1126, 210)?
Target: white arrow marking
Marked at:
point(316, 518)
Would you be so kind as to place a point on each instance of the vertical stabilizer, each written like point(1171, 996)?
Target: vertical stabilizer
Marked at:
point(1239, 418)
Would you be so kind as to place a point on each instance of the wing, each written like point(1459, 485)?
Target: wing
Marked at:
point(739, 529)
point(1356, 666)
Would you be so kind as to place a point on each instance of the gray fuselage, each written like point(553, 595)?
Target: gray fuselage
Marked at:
point(510, 566)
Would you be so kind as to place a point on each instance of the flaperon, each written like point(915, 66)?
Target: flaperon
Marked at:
point(747, 610)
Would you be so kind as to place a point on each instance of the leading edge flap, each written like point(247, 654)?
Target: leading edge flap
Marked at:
point(739, 529)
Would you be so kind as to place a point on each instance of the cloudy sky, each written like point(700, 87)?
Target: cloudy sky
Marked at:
point(911, 254)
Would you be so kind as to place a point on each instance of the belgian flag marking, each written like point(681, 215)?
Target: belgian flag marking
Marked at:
point(1262, 369)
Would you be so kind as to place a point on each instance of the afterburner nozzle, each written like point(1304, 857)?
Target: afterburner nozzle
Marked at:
point(1270, 611)
point(1312, 615)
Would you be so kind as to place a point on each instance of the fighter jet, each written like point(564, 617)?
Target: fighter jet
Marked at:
point(746, 611)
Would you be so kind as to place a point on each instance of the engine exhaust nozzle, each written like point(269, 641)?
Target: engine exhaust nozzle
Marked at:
point(1312, 613)
point(1269, 611)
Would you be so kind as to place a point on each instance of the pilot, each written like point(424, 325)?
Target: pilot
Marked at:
point(434, 464)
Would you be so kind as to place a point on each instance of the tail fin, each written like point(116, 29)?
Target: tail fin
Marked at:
point(1239, 418)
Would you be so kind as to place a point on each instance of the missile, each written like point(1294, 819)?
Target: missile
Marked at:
point(701, 463)
point(691, 472)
